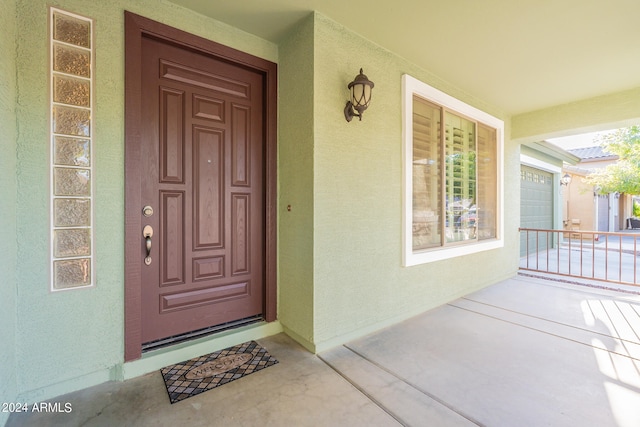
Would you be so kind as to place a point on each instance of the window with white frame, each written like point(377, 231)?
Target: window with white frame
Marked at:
point(452, 176)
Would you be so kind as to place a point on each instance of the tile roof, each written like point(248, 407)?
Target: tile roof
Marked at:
point(596, 152)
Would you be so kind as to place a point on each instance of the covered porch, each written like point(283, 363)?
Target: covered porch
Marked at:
point(525, 351)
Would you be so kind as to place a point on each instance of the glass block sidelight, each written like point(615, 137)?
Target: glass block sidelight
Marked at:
point(71, 212)
point(71, 242)
point(71, 91)
point(71, 30)
point(71, 121)
point(72, 273)
point(72, 61)
point(71, 77)
point(71, 182)
point(71, 151)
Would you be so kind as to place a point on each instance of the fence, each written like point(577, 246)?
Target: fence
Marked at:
point(597, 255)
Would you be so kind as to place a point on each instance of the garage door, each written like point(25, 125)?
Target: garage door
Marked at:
point(536, 205)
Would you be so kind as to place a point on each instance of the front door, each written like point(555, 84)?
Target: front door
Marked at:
point(202, 216)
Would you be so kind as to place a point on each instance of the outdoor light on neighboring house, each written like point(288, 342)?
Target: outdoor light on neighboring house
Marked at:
point(596, 191)
point(360, 89)
point(565, 180)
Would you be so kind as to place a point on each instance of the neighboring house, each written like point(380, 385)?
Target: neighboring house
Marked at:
point(267, 210)
point(540, 202)
point(583, 207)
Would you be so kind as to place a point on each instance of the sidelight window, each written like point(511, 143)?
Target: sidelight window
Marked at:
point(452, 170)
point(71, 140)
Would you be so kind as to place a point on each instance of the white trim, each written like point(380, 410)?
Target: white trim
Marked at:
point(539, 164)
point(411, 86)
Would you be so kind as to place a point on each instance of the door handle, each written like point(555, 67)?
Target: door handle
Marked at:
point(148, 239)
point(147, 233)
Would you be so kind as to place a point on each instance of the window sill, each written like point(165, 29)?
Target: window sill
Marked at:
point(433, 255)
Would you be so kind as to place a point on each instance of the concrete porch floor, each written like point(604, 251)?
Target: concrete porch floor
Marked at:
point(524, 352)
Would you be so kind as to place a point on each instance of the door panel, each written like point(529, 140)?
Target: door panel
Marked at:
point(172, 243)
point(209, 189)
point(202, 162)
point(171, 135)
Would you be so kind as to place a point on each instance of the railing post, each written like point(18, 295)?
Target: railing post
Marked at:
point(526, 244)
point(569, 253)
point(593, 256)
point(558, 258)
point(547, 250)
point(537, 250)
point(606, 257)
point(620, 259)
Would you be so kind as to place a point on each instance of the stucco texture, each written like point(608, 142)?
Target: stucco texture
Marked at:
point(296, 183)
point(339, 246)
point(68, 340)
point(7, 204)
point(359, 281)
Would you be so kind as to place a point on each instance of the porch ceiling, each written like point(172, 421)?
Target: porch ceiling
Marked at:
point(520, 56)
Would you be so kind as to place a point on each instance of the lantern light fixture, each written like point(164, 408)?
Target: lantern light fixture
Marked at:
point(360, 97)
point(565, 180)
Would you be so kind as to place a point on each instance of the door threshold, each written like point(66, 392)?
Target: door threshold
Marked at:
point(200, 333)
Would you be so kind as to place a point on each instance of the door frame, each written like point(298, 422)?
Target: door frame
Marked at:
point(137, 27)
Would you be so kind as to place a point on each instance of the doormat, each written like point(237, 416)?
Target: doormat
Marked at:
point(195, 376)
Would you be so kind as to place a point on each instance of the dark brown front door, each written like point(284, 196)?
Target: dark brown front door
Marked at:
point(202, 169)
point(201, 163)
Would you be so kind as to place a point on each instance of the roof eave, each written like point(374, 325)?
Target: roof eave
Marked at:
point(554, 151)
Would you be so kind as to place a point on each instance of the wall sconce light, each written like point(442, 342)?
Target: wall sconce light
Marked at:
point(360, 89)
point(565, 180)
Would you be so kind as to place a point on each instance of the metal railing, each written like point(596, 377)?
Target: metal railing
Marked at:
point(597, 255)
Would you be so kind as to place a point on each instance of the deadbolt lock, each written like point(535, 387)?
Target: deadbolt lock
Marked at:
point(147, 211)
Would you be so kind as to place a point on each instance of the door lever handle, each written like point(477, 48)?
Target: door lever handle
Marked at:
point(147, 233)
point(148, 239)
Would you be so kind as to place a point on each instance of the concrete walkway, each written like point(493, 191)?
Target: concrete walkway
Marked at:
point(524, 352)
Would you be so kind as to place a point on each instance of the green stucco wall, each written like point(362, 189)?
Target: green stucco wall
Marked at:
point(359, 282)
point(296, 183)
point(8, 245)
point(72, 339)
point(339, 246)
